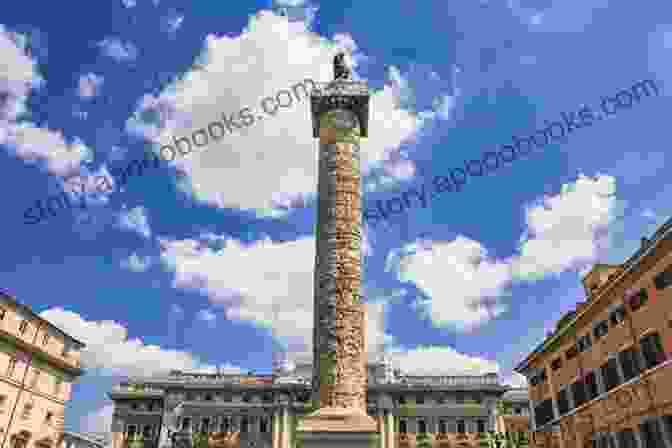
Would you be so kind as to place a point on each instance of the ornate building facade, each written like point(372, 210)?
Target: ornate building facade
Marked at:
point(38, 363)
point(262, 410)
point(603, 376)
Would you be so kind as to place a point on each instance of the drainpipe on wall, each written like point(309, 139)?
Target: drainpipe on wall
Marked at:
point(29, 363)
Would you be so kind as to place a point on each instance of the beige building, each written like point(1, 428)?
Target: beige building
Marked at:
point(603, 377)
point(38, 363)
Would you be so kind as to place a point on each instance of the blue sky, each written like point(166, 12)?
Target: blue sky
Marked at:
point(207, 262)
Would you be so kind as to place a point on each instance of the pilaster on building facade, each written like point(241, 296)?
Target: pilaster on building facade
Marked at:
point(604, 376)
point(38, 364)
point(263, 411)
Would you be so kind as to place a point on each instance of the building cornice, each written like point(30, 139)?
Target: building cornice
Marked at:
point(41, 354)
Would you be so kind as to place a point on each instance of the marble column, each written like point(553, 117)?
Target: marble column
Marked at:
point(340, 117)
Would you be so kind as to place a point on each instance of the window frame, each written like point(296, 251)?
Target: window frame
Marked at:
point(663, 279)
point(23, 326)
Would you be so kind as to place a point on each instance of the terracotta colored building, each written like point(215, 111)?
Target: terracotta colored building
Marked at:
point(603, 378)
point(38, 363)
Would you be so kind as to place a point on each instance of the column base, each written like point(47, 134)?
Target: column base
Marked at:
point(337, 428)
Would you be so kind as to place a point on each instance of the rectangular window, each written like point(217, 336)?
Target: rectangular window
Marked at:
point(617, 315)
point(45, 338)
point(226, 424)
point(205, 425)
point(584, 343)
point(571, 353)
point(422, 426)
point(147, 431)
point(480, 426)
point(652, 437)
point(420, 399)
point(610, 374)
point(591, 386)
point(629, 361)
point(667, 424)
point(664, 279)
point(443, 429)
point(543, 412)
point(263, 425)
point(2, 314)
point(131, 429)
point(627, 439)
point(461, 427)
point(23, 326)
point(402, 427)
point(563, 402)
point(556, 364)
point(186, 423)
point(243, 425)
point(601, 329)
point(11, 366)
point(579, 393)
point(652, 350)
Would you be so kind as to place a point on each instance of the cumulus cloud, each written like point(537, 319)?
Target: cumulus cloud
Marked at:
point(439, 360)
point(463, 286)
point(89, 85)
point(116, 49)
point(109, 350)
point(272, 288)
point(232, 73)
point(18, 75)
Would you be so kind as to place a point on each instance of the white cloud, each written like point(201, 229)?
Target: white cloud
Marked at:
point(118, 50)
point(136, 263)
point(89, 85)
point(437, 360)
point(18, 75)
point(135, 220)
point(109, 349)
point(565, 231)
point(272, 288)
point(464, 285)
point(459, 274)
point(233, 73)
point(46, 148)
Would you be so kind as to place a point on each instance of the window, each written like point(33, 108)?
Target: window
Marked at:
point(402, 427)
point(190, 396)
point(517, 411)
point(11, 366)
point(134, 406)
point(579, 393)
point(563, 402)
point(667, 423)
point(205, 425)
point(226, 424)
point(617, 315)
point(208, 397)
point(664, 279)
point(652, 350)
point(601, 329)
point(186, 423)
point(629, 362)
point(480, 426)
point(147, 431)
point(45, 338)
point(49, 417)
point(610, 374)
point(638, 300)
point(627, 439)
point(227, 398)
point(584, 343)
point(3, 402)
point(556, 364)
point(461, 427)
point(23, 326)
point(131, 429)
point(422, 426)
point(244, 425)
point(66, 350)
point(27, 411)
point(2, 313)
point(591, 386)
point(571, 353)
point(402, 400)
point(246, 398)
point(263, 425)
point(543, 413)
point(652, 437)
point(420, 399)
point(442, 427)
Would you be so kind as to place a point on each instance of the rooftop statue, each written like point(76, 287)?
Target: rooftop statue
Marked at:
point(341, 70)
